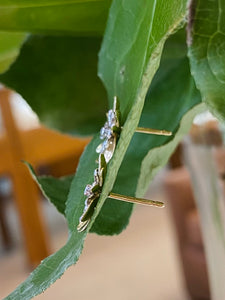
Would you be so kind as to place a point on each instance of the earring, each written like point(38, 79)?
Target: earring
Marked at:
point(110, 133)
point(136, 200)
point(92, 192)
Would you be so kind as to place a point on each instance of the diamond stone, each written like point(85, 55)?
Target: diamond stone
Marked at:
point(106, 132)
point(107, 148)
point(96, 176)
point(102, 133)
point(102, 147)
point(108, 153)
point(88, 191)
point(99, 148)
point(111, 118)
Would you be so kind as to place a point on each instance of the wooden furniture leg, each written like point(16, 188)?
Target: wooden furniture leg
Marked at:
point(5, 234)
point(25, 190)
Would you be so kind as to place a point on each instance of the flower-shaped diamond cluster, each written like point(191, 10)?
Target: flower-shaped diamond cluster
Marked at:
point(110, 132)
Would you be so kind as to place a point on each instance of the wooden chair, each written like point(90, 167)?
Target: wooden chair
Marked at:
point(40, 147)
point(179, 192)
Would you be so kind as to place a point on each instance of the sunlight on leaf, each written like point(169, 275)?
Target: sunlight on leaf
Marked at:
point(71, 17)
point(9, 48)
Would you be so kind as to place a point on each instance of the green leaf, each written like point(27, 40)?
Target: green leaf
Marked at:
point(129, 75)
point(123, 74)
point(57, 77)
point(129, 58)
point(56, 190)
point(157, 157)
point(114, 215)
point(9, 48)
point(148, 153)
point(72, 17)
point(165, 98)
point(207, 52)
point(171, 104)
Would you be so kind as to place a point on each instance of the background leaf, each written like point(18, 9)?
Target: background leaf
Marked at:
point(57, 76)
point(172, 95)
point(9, 48)
point(74, 17)
point(207, 52)
point(70, 17)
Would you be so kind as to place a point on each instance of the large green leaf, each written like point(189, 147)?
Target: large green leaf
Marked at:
point(74, 17)
point(9, 48)
point(57, 76)
point(129, 74)
point(122, 47)
point(129, 58)
point(114, 215)
point(207, 52)
point(165, 98)
point(147, 154)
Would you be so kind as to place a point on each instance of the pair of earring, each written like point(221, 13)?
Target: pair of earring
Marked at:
point(110, 133)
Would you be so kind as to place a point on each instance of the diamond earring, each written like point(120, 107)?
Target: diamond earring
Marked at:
point(92, 192)
point(110, 133)
point(112, 128)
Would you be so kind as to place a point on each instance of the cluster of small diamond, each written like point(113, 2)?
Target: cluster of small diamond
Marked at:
point(92, 192)
point(108, 133)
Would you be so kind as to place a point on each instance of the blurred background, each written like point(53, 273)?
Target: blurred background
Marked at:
point(159, 256)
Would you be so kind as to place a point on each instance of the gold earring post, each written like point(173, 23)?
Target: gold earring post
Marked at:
point(153, 131)
point(136, 200)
